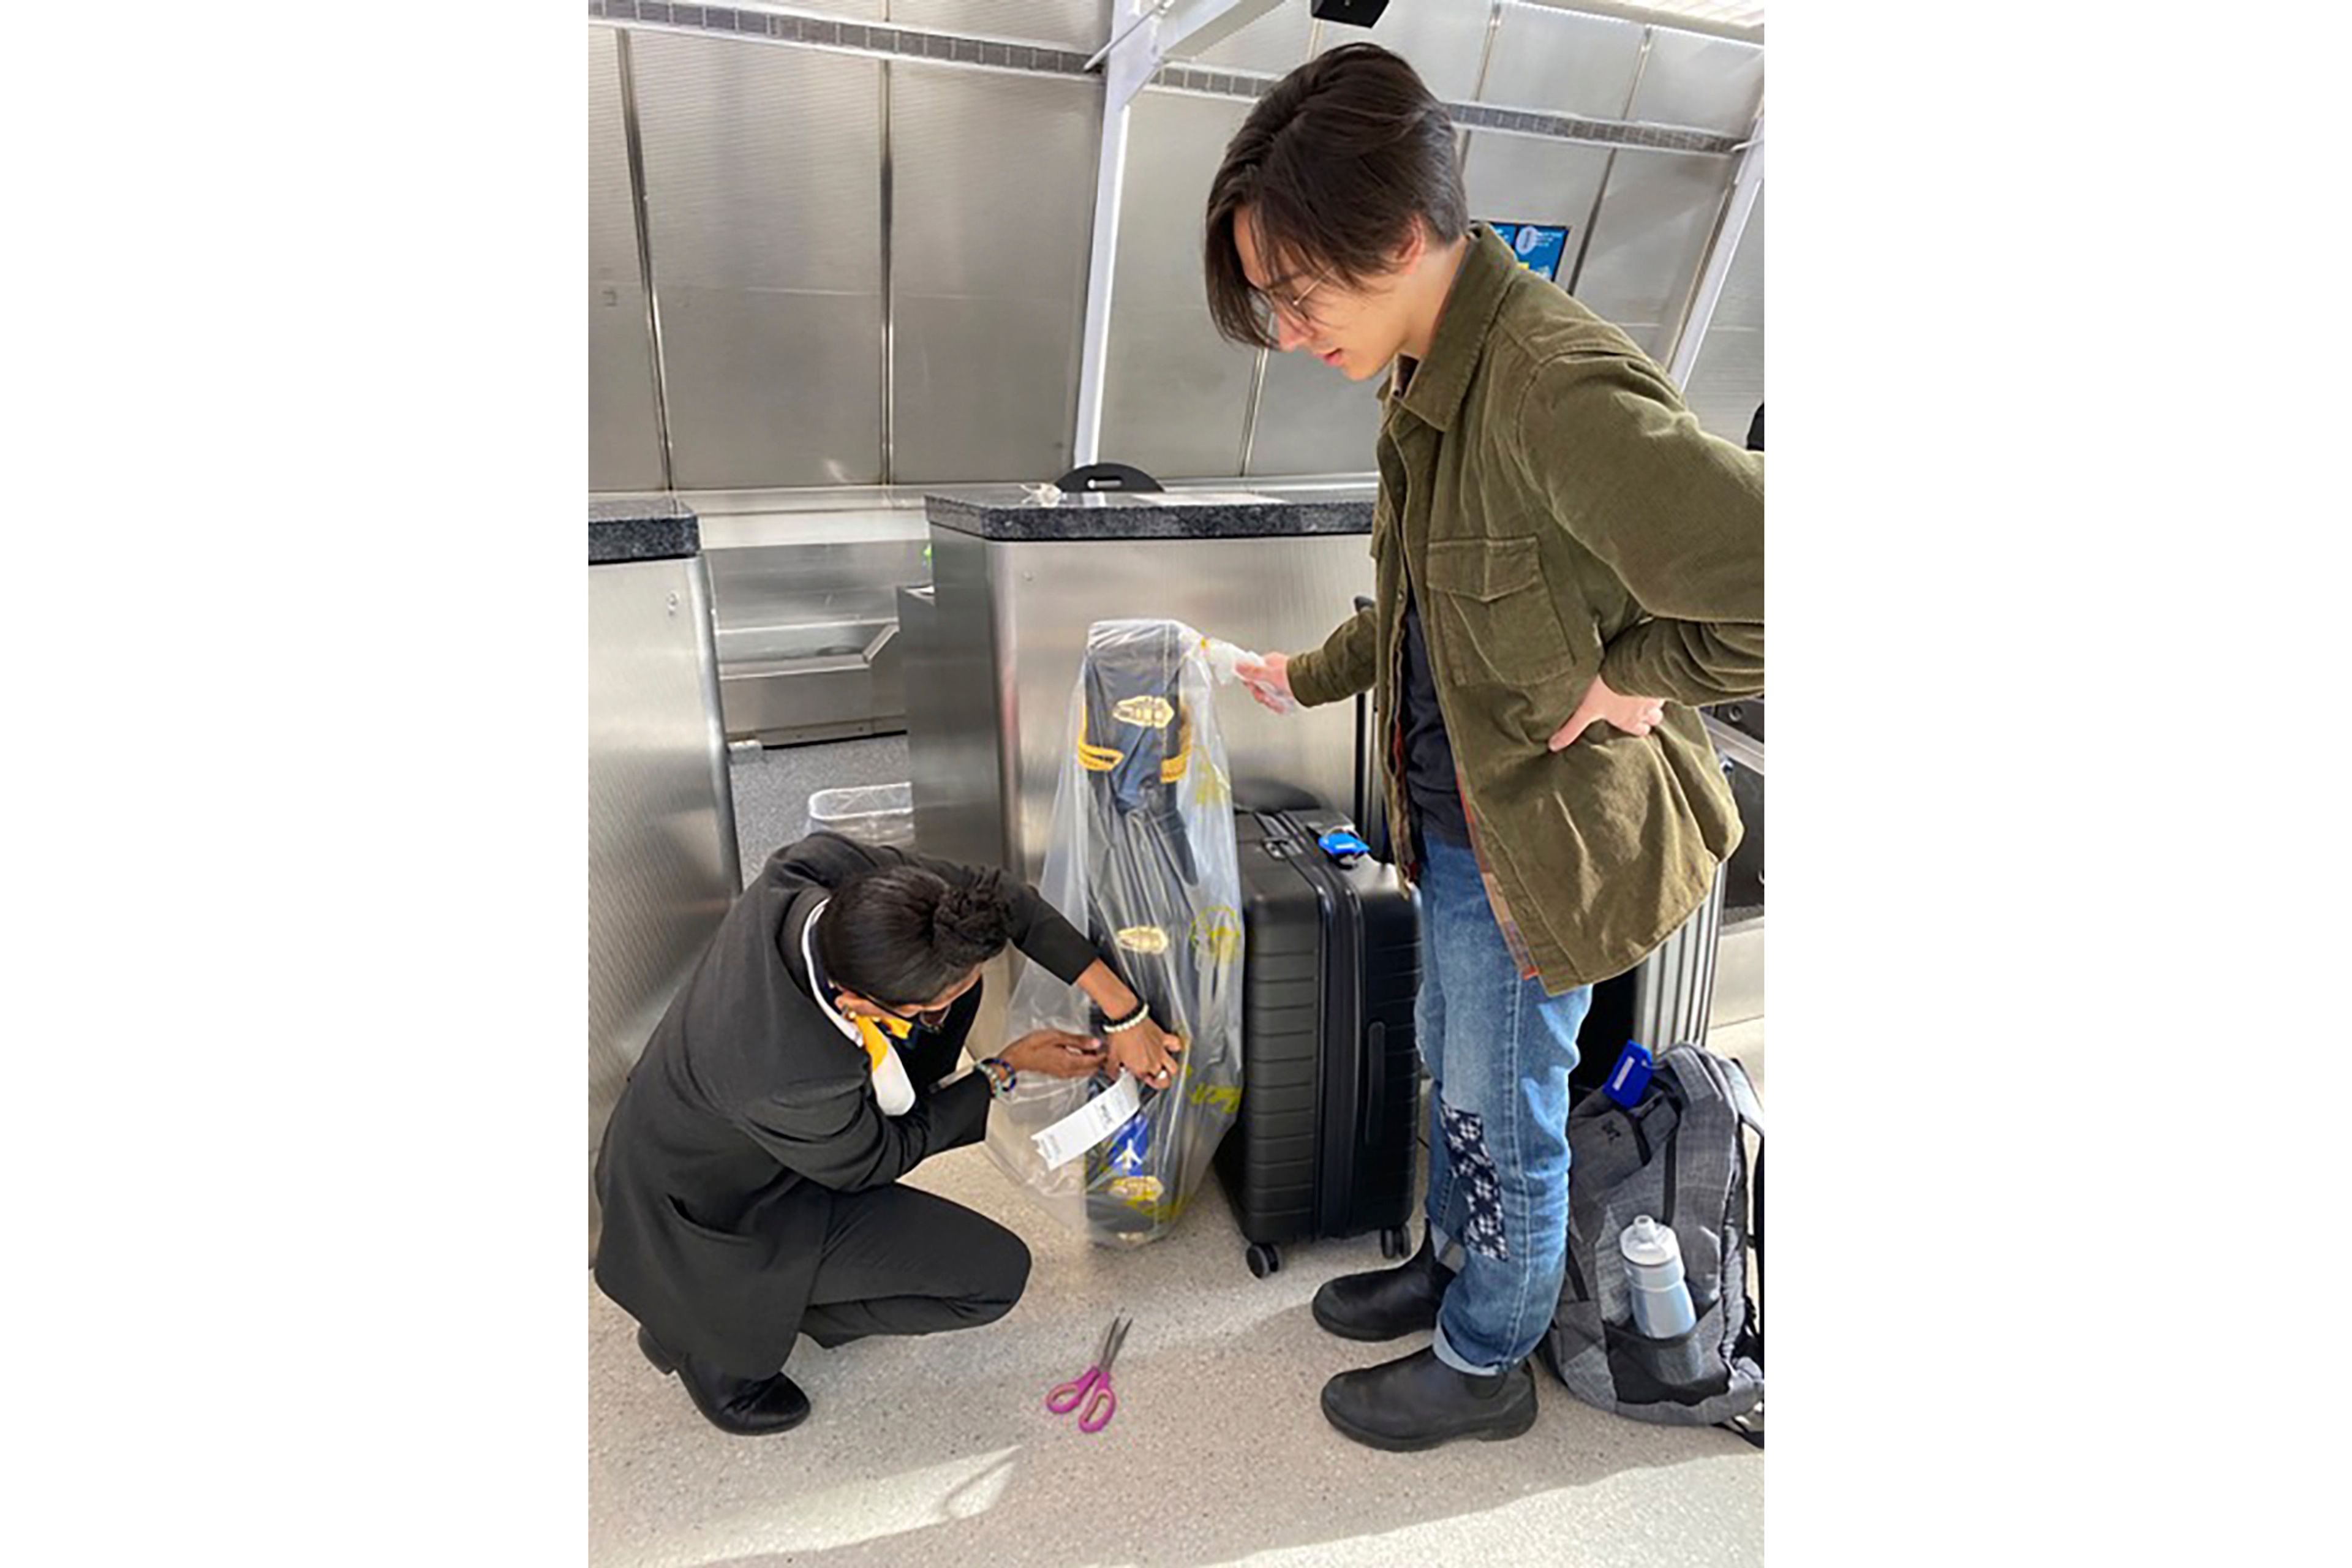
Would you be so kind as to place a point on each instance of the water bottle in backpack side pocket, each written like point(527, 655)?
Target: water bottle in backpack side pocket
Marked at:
point(1654, 1278)
point(1664, 1322)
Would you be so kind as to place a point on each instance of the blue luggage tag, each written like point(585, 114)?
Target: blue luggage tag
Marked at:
point(1630, 1077)
point(1343, 846)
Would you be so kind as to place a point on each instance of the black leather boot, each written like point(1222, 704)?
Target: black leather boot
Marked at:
point(1418, 1401)
point(1385, 1303)
point(741, 1406)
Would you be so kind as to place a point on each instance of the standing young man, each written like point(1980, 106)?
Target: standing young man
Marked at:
point(1566, 564)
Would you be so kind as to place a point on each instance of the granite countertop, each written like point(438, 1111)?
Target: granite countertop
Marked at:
point(641, 527)
point(1009, 513)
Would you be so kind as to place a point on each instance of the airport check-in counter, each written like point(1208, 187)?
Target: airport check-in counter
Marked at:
point(993, 649)
point(991, 654)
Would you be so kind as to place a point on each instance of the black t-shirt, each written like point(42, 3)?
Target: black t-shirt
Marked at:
point(1430, 779)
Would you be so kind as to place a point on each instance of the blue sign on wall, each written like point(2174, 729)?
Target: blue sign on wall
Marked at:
point(1539, 246)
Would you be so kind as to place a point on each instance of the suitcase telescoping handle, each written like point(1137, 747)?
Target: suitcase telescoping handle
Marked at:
point(1373, 825)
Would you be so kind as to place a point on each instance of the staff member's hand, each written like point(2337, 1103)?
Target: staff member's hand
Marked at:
point(1148, 1051)
point(1053, 1053)
point(1635, 715)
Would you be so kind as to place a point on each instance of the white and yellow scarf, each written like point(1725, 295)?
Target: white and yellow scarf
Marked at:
point(892, 1088)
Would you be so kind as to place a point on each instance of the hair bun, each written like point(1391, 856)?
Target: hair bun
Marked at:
point(972, 925)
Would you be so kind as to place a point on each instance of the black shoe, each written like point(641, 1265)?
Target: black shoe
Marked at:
point(1386, 1302)
point(741, 1406)
point(1418, 1401)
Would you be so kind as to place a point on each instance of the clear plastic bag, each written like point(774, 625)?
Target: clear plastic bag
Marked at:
point(1225, 661)
point(1141, 859)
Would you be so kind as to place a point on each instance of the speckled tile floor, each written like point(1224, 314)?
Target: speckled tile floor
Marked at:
point(939, 1449)
point(772, 785)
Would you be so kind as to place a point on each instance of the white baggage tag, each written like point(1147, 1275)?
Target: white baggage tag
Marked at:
point(1089, 1124)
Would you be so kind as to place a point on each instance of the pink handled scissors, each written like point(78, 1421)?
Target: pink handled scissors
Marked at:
point(1092, 1391)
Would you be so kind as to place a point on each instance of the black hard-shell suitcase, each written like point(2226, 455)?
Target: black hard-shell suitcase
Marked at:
point(1324, 1141)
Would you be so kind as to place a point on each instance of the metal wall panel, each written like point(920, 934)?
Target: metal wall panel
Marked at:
point(623, 441)
point(1442, 39)
point(1715, 84)
point(769, 389)
point(1649, 240)
point(1069, 24)
point(1564, 62)
point(1274, 44)
point(612, 220)
point(1313, 420)
point(762, 164)
point(764, 194)
point(1520, 179)
point(662, 858)
point(987, 388)
point(1727, 383)
point(992, 211)
point(1175, 394)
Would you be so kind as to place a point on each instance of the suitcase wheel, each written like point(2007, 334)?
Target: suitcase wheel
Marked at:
point(1264, 1259)
point(1393, 1243)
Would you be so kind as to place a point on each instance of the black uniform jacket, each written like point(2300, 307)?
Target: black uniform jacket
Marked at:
point(750, 1109)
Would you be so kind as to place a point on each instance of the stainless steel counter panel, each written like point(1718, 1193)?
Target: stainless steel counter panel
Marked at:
point(954, 754)
point(662, 861)
point(989, 697)
point(957, 712)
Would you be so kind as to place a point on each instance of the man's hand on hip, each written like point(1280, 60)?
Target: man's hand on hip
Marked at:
point(1635, 715)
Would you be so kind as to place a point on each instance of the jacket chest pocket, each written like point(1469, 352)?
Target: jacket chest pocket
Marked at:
point(1496, 617)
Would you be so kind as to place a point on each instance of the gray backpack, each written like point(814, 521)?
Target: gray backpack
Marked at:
point(1680, 1157)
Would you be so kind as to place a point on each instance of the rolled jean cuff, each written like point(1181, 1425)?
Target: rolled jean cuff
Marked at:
point(1451, 1357)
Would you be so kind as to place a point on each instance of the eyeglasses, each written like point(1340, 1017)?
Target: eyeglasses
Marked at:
point(1266, 307)
point(925, 1018)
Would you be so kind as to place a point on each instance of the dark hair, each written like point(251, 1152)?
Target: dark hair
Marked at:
point(900, 935)
point(1335, 163)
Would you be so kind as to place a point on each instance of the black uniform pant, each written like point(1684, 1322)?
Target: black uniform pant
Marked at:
point(900, 1261)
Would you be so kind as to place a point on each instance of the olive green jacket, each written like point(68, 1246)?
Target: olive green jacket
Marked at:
point(1558, 514)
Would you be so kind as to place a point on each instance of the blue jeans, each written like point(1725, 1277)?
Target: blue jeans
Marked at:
point(1499, 1051)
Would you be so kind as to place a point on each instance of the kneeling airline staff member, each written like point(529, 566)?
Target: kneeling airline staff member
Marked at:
point(749, 1173)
